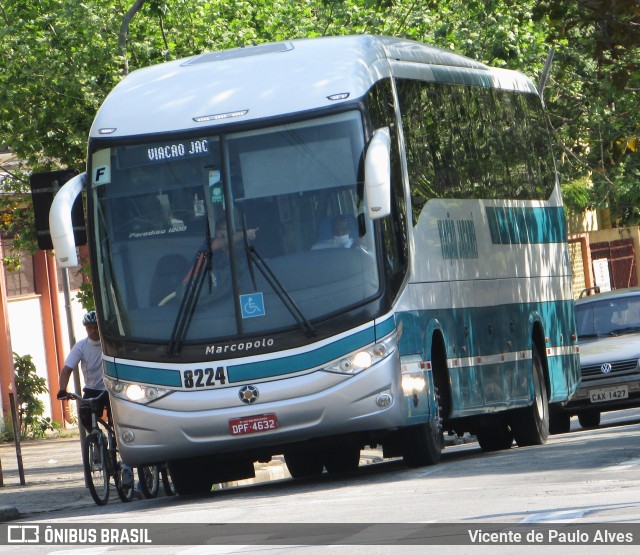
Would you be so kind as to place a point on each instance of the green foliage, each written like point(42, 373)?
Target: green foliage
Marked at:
point(577, 196)
point(61, 58)
point(595, 95)
point(16, 216)
point(6, 430)
point(85, 291)
point(30, 408)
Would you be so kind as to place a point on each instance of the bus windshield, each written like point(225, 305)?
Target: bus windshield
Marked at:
point(222, 235)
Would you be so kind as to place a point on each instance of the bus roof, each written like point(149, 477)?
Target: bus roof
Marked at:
point(271, 79)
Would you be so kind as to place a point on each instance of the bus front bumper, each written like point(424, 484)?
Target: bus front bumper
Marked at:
point(217, 422)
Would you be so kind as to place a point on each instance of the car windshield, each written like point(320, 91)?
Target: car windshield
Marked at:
point(608, 317)
point(233, 235)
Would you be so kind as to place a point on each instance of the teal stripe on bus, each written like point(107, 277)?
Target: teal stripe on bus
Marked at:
point(109, 368)
point(385, 327)
point(510, 225)
point(255, 370)
point(303, 361)
point(143, 374)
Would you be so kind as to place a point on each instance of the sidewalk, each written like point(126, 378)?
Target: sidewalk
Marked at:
point(54, 479)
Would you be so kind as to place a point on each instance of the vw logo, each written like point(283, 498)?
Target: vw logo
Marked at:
point(605, 368)
point(248, 394)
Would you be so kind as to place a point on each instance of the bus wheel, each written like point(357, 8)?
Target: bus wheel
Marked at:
point(495, 438)
point(304, 464)
point(191, 476)
point(559, 422)
point(422, 444)
point(589, 419)
point(342, 459)
point(530, 425)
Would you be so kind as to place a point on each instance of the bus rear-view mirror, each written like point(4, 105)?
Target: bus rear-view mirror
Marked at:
point(60, 222)
point(377, 174)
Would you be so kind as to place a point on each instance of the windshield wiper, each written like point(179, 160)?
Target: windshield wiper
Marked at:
point(256, 260)
point(199, 270)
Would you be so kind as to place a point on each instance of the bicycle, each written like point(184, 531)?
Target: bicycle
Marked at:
point(150, 477)
point(100, 458)
point(167, 480)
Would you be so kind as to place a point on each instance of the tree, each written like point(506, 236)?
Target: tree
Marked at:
point(57, 66)
point(30, 408)
point(124, 30)
point(62, 57)
point(595, 101)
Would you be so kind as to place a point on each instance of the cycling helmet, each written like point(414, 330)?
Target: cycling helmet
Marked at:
point(90, 318)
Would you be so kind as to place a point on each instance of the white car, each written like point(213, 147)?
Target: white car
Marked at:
point(609, 336)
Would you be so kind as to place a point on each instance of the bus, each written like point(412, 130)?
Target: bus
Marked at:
point(308, 247)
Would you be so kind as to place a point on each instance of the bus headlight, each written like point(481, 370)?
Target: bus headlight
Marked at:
point(360, 360)
point(134, 392)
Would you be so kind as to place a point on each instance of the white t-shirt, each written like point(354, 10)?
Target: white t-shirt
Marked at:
point(338, 242)
point(89, 354)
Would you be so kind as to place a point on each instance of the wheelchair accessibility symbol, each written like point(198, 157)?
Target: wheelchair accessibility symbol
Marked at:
point(252, 305)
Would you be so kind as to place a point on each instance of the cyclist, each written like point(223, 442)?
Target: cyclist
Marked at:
point(88, 353)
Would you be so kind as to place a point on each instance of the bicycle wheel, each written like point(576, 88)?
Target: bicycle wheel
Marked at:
point(167, 481)
point(149, 480)
point(95, 467)
point(125, 493)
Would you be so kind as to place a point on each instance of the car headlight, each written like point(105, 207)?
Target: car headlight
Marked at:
point(134, 392)
point(365, 358)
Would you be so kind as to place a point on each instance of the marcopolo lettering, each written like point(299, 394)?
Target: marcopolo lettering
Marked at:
point(239, 347)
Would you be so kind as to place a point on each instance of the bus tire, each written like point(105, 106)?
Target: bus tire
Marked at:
point(422, 445)
point(343, 459)
point(589, 419)
point(559, 422)
point(496, 437)
point(191, 476)
point(304, 463)
point(530, 425)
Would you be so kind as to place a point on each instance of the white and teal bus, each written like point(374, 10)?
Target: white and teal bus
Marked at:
point(311, 246)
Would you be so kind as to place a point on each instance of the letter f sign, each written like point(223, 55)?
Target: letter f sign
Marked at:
point(101, 175)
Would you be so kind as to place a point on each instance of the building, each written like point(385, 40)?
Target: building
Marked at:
point(33, 316)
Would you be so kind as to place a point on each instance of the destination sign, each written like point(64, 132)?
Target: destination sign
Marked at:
point(142, 155)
